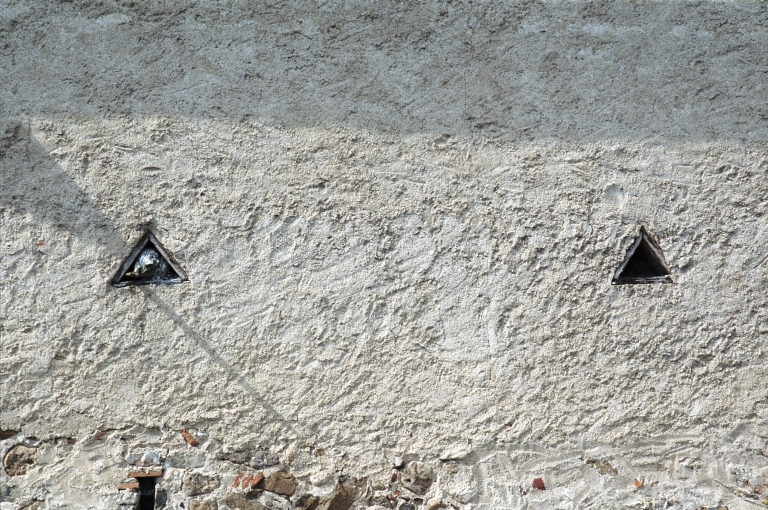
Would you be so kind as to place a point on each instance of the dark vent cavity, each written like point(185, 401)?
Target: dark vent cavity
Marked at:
point(149, 264)
point(147, 493)
point(644, 263)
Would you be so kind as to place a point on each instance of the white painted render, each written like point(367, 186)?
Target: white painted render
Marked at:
point(400, 222)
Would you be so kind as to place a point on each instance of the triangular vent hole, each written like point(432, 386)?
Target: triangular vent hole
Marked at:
point(644, 263)
point(149, 264)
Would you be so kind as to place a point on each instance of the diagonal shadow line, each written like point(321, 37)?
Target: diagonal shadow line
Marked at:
point(33, 182)
point(216, 357)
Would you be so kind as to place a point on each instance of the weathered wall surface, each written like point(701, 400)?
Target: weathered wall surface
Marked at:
point(400, 223)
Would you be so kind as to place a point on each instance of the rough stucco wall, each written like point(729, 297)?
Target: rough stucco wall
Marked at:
point(400, 224)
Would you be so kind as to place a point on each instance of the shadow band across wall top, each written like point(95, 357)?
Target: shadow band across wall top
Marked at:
point(149, 264)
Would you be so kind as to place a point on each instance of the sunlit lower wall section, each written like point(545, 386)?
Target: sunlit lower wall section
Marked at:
point(400, 224)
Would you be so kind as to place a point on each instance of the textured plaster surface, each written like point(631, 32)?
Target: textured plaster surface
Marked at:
point(400, 222)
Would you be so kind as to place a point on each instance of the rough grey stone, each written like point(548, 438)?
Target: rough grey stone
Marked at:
point(281, 482)
point(274, 501)
point(185, 459)
point(417, 477)
point(18, 459)
point(308, 502)
point(236, 456)
point(208, 504)
point(194, 483)
point(145, 458)
point(123, 499)
point(435, 504)
point(256, 458)
point(344, 495)
point(35, 505)
point(381, 498)
point(149, 458)
point(603, 466)
point(161, 498)
point(262, 459)
point(239, 502)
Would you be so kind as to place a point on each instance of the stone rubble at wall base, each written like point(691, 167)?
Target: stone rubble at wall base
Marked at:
point(209, 478)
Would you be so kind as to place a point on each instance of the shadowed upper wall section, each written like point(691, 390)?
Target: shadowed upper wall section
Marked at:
point(523, 70)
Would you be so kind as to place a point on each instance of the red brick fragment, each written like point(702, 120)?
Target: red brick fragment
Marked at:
point(189, 438)
point(394, 476)
point(247, 481)
point(257, 478)
point(237, 479)
point(538, 483)
point(638, 483)
point(144, 474)
point(128, 485)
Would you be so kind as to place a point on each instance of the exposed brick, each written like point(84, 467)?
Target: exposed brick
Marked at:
point(257, 478)
point(189, 438)
point(145, 474)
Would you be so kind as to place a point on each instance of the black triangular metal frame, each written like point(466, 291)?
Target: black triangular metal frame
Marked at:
point(656, 252)
point(148, 238)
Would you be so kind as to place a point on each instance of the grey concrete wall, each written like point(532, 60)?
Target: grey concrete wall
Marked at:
point(400, 222)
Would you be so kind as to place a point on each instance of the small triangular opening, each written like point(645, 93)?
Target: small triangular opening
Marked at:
point(644, 263)
point(149, 264)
